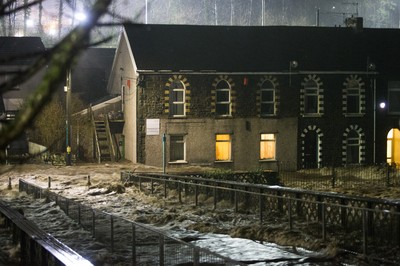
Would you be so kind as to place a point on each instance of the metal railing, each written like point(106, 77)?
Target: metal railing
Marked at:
point(358, 224)
point(36, 246)
point(135, 243)
point(383, 175)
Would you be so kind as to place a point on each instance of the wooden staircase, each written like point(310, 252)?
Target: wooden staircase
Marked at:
point(102, 141)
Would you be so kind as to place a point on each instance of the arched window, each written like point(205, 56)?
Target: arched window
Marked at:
point(354, 96)
point(177, 98)
point(353, 147)
point(267, 98)
point(311, 97)
point(223, 98)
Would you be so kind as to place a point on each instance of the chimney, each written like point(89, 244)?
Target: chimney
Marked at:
point(354, 22)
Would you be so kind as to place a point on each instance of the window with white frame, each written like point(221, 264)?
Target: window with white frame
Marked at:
point(267, 146)
point(223, 98)
point(353, 147)
point(353, 95)
point(223, 147)
point(394, 97)
point(267, 98)
point(177, 151)
point(177, 98)
point(311, 93)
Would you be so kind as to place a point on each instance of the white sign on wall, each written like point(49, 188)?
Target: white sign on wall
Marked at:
point(152, 127)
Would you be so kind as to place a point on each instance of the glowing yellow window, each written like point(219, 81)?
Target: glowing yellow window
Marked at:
point(223, 147)
point(267, 147)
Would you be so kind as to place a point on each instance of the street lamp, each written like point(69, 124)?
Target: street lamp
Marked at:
point(67, 89)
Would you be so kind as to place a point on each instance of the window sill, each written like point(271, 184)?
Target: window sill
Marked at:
point(178, 162)
point(223, 116)
point(267, 160)
point(224, 161)
point(311, 115)
point(353, 115)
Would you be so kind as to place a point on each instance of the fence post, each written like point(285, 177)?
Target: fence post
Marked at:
point(49, 182)
point(165, 188)
point(290, 213)
point(260, 205)
point(161, 248)
point(388, 175)
point(180, 191)
point(9, 184)
point(93, 223)
point(133, 244)
point(196, 256)
point(364, 225)
point(112, 233)
point(323, 220)
point(215, 197)
point(79, 213)
point(397, 225)
point(196, 192)
point(343, 213)
point(279, 200)
point(319, 209)
point(236, 201)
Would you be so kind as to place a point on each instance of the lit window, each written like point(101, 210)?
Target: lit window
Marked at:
point(223, 147)
point(267, 147)
point(177, 148)
point(394, 97)
point(177, 98)
point(223, 98)
point(353, 147)
point(267, 98)
point(353, 97)
point(311, 97)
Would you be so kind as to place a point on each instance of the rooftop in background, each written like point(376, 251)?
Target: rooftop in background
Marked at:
point(19, 50)
point(262, 49)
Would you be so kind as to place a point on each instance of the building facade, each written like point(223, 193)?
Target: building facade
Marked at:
point(246, 98)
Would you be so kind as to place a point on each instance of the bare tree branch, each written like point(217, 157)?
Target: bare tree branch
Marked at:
point(4, 11)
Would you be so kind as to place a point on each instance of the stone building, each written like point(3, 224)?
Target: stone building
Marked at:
point(246, 98)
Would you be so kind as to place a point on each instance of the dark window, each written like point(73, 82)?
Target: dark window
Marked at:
point(177, 148)
point(311, 97)
point(353, 147)
point(267, 98)
point(394, 97)
point(223, 98)
point(353, 97)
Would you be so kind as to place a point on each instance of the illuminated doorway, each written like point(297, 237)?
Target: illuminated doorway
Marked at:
point(393, 146)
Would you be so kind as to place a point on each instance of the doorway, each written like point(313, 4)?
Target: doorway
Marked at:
point(393, 146)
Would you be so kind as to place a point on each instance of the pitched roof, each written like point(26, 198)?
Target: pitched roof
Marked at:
point(259, 49)
point(19, 50)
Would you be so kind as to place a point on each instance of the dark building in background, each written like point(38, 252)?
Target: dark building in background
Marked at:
point(16, 55)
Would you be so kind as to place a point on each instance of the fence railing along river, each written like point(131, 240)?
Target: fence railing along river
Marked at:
point(360, 224)
point(143, 244)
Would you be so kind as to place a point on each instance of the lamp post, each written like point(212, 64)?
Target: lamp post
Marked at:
point(67, 90)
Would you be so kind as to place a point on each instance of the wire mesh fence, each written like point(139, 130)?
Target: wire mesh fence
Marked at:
point(350, 176)
point(132, 242)
point(359, 224)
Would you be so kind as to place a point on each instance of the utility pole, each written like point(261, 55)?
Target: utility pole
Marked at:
point(67, 89)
